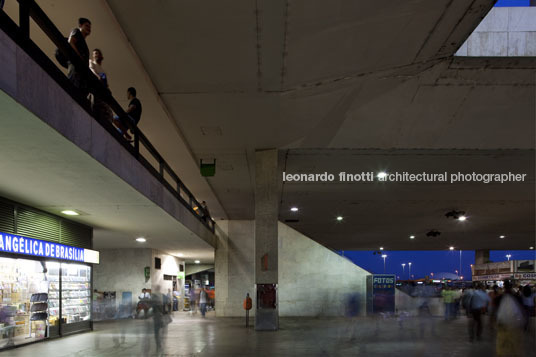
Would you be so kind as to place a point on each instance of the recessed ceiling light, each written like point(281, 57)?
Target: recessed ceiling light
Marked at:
point(339, 218)
point(294, 209)
point(462, 218)
point(382, 175)
point(502, 237)
point(451, 248)
point(531, 247)
point(411, 237)
point(197, 262)
point(180, 255)
point(69, 212)
point(381, 248)
point(141, 240)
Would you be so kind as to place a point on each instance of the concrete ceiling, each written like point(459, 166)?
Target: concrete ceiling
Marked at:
point(43, 169)
point(329, 75)
point(386, 213)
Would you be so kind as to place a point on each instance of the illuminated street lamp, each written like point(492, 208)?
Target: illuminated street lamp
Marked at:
point(508, 256)
point(403, 268)
point(409, 271)
point(384, 256)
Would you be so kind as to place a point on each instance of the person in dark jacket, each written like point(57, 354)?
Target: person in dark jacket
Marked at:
point(77, 40)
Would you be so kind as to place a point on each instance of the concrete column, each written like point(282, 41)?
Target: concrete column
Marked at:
point(266, 233)
point(481, 256)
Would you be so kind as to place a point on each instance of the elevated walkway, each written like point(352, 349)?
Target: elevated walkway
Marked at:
point(56, 154)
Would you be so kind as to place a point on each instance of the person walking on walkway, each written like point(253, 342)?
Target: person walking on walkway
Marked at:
point(203, 301)
point(510, 323)
point(448, 299)
point(479, 302)
point(77, 40)
point(100, 109)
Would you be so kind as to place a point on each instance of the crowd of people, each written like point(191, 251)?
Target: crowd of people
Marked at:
point(77, 40)
point(509, 309)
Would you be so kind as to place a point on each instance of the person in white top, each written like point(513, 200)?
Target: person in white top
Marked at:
point(100, 109)
point(143, 304)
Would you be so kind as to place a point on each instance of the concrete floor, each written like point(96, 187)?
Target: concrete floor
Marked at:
point(194, 336)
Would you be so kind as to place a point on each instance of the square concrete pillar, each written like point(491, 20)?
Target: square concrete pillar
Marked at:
point(266, 239)
point(481, 256)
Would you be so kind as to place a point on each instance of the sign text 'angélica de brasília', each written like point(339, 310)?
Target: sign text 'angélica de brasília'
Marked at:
point(10, 243)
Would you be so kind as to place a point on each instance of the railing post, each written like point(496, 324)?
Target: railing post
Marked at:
point(137, 142)
point(24, 18)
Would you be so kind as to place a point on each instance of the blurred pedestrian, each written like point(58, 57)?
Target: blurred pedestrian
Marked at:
point(494, 300)
point(527, 298)
point(203, 301)
point(158, 319)
point(448, 299)
point(479, 303)
point(510, 323)
point(193, 301)
point(77, 40)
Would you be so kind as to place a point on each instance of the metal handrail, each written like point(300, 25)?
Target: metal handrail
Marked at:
point(21, 35)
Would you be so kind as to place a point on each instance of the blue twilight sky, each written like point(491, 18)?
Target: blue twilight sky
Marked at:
point(512, 3)
point(427, 261)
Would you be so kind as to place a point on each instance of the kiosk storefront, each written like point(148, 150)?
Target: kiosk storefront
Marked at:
point(45, 275)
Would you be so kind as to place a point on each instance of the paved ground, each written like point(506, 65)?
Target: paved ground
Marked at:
point(194, 336)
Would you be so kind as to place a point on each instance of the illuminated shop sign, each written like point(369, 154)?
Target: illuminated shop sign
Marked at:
point(10, 243)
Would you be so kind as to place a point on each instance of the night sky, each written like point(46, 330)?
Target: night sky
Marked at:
point(506, 3)
point(426, 261)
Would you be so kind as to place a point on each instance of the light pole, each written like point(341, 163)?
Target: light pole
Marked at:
point(508, 256)
point(403, 268)
point(460, 269)
point(409, 272)
point(384, 256)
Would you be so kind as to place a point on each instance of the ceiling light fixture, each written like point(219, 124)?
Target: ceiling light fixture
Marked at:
point(433, 233)
point(180, 255)
point(502, 237)
point(451, 248)
point(531, 247)
point(382, 175)
point(339, 218)
point(381, 248)
point(459, 215)
point(294, 209)
point(197, 262)
point(411, 237)
point(141, 240)
point(69, 212)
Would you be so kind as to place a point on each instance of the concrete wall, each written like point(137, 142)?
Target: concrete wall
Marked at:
point(170, 266)
point(123, 270)
point(313, 280)
point(505, 31)
point(234, 266)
